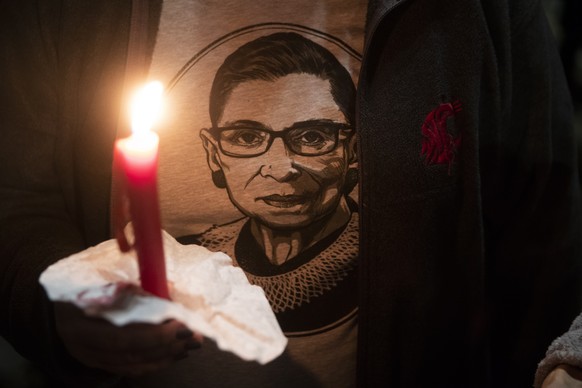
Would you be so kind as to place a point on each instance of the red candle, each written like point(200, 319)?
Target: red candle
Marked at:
point(137, 158)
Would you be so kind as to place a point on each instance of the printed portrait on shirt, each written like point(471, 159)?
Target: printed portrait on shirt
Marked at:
point(303, 71)
point(264, 143)
point(284, 162)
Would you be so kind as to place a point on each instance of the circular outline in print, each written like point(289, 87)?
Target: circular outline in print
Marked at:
point(258, 27)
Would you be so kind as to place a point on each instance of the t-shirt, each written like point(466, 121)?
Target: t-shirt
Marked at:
point(258, 160)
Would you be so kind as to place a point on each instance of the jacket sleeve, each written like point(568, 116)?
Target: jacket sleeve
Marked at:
point(531, 201)
point(36, 223)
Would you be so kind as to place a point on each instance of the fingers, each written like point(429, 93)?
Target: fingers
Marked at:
point(129, 350)
point(132, 363)
point(133, 337)
point(172, 350)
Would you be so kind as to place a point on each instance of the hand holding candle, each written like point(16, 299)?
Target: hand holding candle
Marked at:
point(136, 159)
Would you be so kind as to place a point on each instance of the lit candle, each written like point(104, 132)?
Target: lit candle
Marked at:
point(136, 158)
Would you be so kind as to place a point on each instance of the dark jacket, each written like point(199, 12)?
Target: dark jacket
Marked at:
point(470, 265)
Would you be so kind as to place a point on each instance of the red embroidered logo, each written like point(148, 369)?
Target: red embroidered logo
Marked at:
point(439, 146)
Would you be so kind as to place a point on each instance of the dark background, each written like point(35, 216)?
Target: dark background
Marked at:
point(16, 372)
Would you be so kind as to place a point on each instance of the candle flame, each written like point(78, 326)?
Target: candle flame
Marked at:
point(146, 107)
